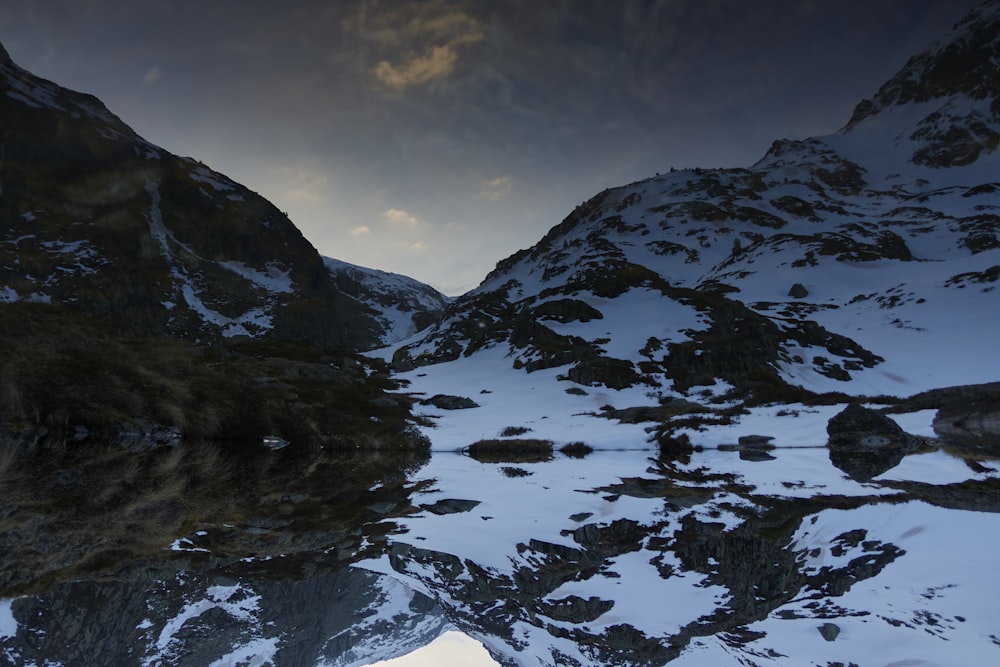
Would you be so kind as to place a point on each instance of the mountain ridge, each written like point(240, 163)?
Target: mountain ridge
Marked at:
point(796, 249)
point(143, 292)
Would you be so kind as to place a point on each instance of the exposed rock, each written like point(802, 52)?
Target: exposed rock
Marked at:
point(401, 361)
point(751, 448)
point(972, 428)
point(451, 506)
point(755, 455)
point(798, 291)
point(950, 397)
point(575, 609)
point(566, 310)
point(864, 443)
point(511, 450)
point(652, 413)
point(576, 450)
point(830, 631)
point(330, 617)
point(675, 448)
point(970, 495)
point(612, 373)
point(759, 441)
point(447, 402)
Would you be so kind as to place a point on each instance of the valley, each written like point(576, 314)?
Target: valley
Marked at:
point(743, 416)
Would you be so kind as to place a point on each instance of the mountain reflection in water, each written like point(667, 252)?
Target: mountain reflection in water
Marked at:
point(192, 557)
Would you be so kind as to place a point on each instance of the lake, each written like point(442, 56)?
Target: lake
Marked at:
point(196, 557)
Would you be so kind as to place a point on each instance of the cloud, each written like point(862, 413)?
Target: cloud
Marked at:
point(438, 63)
point(152, 76)
point(400, 218)
point(363, 230)
point(302, 182)
point(497, 188)
point(431, 35)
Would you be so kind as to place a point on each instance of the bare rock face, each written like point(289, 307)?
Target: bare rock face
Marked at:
point(972, 428)
point(864, 443)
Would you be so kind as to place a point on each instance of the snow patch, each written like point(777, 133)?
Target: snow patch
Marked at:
point(214, 180)
point(251, 323)
point(274, 279)
point(8, 624)
point(237, 602)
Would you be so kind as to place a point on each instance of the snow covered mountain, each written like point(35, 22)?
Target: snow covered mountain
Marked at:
point(834, 264)
point(736, 318)
point(403, 306)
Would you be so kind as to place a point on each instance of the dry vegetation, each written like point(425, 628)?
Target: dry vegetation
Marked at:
point(61, 370)
point(113, 446)
point(73, 511)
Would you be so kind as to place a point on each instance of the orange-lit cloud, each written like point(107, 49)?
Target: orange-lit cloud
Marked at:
point(434, 34)
point(438, 63)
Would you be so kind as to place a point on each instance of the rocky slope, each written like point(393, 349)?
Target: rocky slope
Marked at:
point(144, 295)
point(832, 265)
point(99, 220)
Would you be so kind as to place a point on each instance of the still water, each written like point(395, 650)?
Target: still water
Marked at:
point(197, 557)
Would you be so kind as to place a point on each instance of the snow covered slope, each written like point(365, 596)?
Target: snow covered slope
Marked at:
point(715, 307)
point(403, 305)
point(864, 262)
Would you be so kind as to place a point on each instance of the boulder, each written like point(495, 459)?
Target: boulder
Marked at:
point(566, 310)
point(612, 373)
point(864, 443)
point(451, 506)
point(758, 441)
point(830, 631)
point(972, 429)
point(511, 450)
point(751, 447)
point(446, 402)
point(798, 291)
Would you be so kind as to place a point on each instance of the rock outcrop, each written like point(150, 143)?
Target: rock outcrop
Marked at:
point(972, 429)
point(864, 443)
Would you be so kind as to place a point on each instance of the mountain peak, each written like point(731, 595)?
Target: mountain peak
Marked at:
point(965, 62)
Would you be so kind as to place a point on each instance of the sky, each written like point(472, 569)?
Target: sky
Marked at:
point(434, 138)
